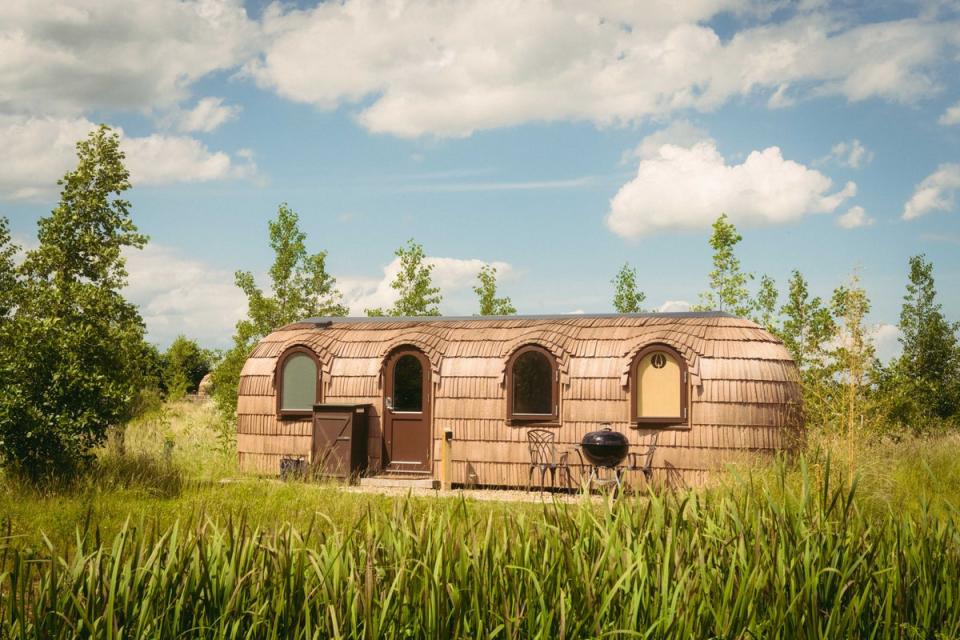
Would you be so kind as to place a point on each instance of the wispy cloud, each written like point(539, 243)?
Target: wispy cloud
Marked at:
point(852, 154)
point(946, 238)
point(205, 116)
point(533, 185)
point(443, 175)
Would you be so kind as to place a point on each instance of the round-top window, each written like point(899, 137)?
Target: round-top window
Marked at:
point(659, 387)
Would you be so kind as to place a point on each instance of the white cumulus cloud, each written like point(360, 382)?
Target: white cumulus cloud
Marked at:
point(39, 150)
point(452, 275)
point(160, 159)
point(178, 295)
point(206, 116)
point(674, 306)
point(423, 67)
point(886, 340)
point(679, 133)
point(66, 57)
point(935, 193)
point(951, 115)
point(688, 187)
point(854, 217)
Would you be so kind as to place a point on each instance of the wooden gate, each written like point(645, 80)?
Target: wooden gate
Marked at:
point(340, 439)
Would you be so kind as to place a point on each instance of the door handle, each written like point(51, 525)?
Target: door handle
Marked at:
point(389, 403)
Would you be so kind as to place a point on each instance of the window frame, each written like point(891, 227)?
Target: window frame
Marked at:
point(527, 419)
point(681, 421)
point(286, 414)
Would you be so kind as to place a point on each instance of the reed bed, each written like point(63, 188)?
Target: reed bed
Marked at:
point(787, 560)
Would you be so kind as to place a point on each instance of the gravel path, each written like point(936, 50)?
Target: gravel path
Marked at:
point(495, 495)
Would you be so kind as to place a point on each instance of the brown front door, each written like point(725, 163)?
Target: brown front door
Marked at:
point(407, 410)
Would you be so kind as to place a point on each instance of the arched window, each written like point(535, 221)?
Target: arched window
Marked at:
point(659, 387)
point(298, 383)
point(532, 388)
point(408, 384)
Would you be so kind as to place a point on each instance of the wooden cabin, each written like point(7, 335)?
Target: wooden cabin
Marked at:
point(465, 391)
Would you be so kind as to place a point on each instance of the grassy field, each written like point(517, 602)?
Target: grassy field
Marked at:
point(851, 540)
point(197, 481)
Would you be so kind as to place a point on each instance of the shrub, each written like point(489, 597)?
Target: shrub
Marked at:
point(184, 365)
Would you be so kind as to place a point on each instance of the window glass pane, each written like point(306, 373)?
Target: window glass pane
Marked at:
point(299, 383)
point(532, 384)
point(658, 390)
point(408, 384)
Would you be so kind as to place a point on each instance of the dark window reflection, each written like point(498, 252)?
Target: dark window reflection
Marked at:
point(532, 384)
point(408, 384)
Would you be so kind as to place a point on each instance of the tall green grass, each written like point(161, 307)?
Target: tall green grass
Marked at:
point(770, 560)
point(188, 434)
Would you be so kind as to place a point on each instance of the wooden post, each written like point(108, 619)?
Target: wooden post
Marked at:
point(446, 480)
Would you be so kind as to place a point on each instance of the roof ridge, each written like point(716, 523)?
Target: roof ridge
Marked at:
point(570, 317)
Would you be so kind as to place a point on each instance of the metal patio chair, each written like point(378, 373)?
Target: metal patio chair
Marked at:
point(544, 458)
point(643, 462)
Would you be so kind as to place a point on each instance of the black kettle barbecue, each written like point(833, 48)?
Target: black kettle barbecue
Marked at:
point(605, 448)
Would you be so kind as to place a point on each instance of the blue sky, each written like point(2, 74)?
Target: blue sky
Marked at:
point(557, 140)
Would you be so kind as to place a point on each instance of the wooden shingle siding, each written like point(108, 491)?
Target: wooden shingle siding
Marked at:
point(270, 425)
point(750, 350)
point(258, 367)
point(595, 367)
point(353, 386)
point(744, 393)
point(256, 386)
point(468, 408)
point(354, 367)
point(743, 369)
point(274, 444)
point(470, 387)
point(596, 411)
point(472, 367)
point(596, 389)
point(753, 391)
point(256, 405)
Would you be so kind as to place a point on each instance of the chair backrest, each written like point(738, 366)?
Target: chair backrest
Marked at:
point(542, 445)
point(651, 449)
